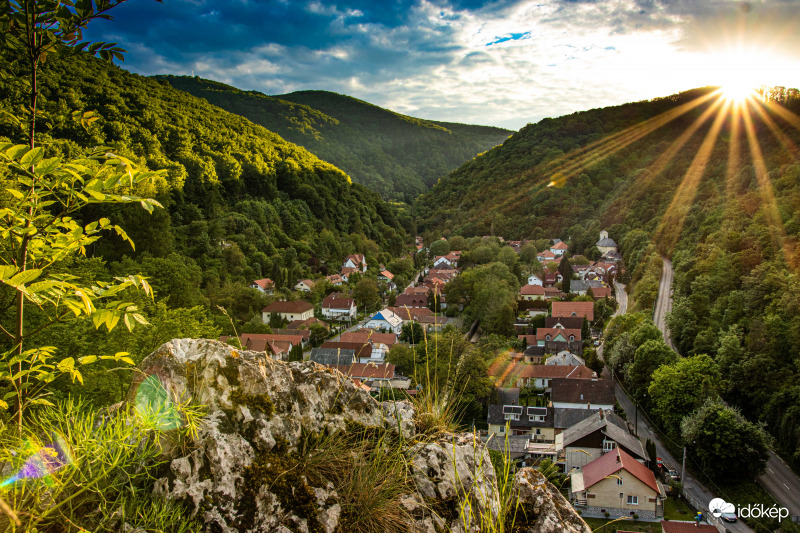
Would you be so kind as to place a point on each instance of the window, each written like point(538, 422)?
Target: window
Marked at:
point(502, 429)
point(609, 445)
point(537, 418)
point(512, 416)
point(547, 337)
point(633, 500)
point(538, 431)
point(571, 338)
point(619, 481)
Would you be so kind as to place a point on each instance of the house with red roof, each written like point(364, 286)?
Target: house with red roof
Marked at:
point(617, 484)
point(559, 248)
point(584, 309)
point(336, 306)
point(531, 292)
point(297, 310)
point(356, 261)
point(266, 285)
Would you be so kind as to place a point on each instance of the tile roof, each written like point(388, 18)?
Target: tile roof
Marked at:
point(542, 333)
point(265, 283)
point(304, 334)
point(601, 292)
point(614, 461)
point(412, 300)
point(367, 335)
point(560, 246)
point(565, 373)
point(597, 391)
point(283, 306)
point(258, 341)
point(332, 301)
point(567, 417)
point(568, 322)
point(387, 316)
point(584, 309)
point(531, 290)
point(387, 274)
point(610, 425)
point(361, 349)
point(367, 371)
point(332, 356)
point(411, 313)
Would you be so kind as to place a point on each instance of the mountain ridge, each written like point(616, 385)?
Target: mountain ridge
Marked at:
point(394, 154)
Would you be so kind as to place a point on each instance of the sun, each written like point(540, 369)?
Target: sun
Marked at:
point(737, 91)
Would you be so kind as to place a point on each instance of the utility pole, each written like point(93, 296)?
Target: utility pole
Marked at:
point(683, 466)
point(636, 424)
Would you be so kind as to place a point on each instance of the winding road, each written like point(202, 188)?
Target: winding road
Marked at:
point(778, 479)
point(664, 302)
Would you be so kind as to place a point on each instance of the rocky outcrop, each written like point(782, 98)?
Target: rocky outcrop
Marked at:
point(286, 447)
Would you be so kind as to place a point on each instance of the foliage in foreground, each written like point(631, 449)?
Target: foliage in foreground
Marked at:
point(75, 467)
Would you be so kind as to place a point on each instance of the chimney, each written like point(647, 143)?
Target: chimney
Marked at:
point(618, 457)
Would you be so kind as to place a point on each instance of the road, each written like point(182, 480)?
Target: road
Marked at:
point(664, 302)
point(782, 483)
point(622, 298)
point(697, 494)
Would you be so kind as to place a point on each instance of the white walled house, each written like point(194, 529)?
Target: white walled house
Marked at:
point(385, 320)
point(338, 308)
point(533, 279)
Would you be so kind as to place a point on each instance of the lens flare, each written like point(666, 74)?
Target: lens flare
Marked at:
point(42, 461)
point(154, 405)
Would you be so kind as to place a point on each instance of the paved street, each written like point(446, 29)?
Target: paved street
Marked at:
point(782, 483)
point(664, 302)
point(697, 494)
point(622, 298)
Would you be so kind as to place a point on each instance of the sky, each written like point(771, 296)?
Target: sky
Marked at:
point(504, 63)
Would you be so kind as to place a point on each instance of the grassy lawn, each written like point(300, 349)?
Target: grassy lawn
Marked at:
point(677, 509)
point(607, 526)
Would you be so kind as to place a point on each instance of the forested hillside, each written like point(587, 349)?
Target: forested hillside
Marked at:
point(398, 156)
point(711, 184)
point(240, 203)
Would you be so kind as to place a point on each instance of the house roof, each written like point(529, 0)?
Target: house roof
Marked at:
point(607, 242)
point(334, 279)
point(614, 461)
point(361, 349)
point(387, 274)
point(303, 325)
point(346, 271)
point(565, 358)
point(610, 425)
point(357, 259)
point(307, 282)
point(567, 322)
point(584, 309)
point(283, 306)
point(583, 391)
point(601, 292)
point(547, 254)
point(565, 373)
point(367, 335)
point(411, 313)
point(367, 371)
point(565, 417)
point(388, 316)
point(552, 292)
point(577, 285)
point(304, 334)
point(542, 333)
point(258, 341)
point(412, 300)
point(416, 290)
point(670, 526)
point(332, 356)
point(332, 301)
point(561, 245)
point(497, 412)
point(531, 290)
point(265, 283)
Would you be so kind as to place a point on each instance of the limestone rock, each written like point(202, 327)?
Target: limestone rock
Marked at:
point(542, 508)
point(244, 472)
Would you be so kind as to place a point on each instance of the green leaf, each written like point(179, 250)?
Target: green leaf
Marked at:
point(47, 166)
point(32, 157)
point(16, 151)
point(24, 277)
point(16, 194)
point(87, 359)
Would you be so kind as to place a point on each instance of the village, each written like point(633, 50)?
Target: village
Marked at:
point(550, 406)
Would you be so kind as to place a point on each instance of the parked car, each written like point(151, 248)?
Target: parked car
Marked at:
point(673, 475)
